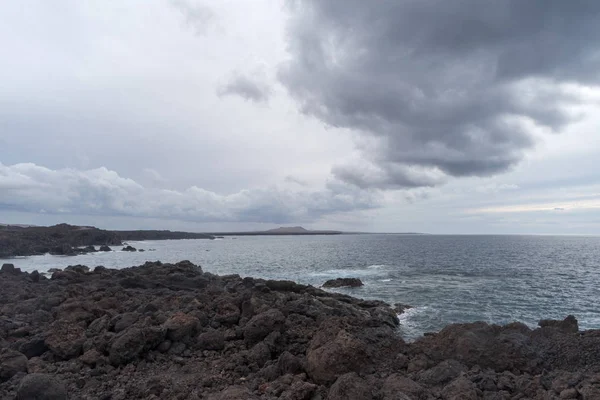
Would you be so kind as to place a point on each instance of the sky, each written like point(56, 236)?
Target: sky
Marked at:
point(462, 117)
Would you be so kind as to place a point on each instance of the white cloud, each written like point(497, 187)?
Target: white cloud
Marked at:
point(32, 188)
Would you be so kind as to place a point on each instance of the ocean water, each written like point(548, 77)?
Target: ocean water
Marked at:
point(447, 279)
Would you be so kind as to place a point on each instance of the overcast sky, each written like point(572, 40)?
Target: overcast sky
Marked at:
point(466, 116)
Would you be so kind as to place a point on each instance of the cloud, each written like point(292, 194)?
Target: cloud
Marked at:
point(252, 89)
point(295, 180)
point(198, 16)
point(446, 88)
point(32, 188)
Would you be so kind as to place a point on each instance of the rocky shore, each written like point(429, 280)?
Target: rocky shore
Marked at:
point(171, 331)
point(67, 240)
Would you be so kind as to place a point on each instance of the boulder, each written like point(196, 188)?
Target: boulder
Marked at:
point(350, 387)
point(259, 354)
point(80, 269)
point(300, 391)
point(399, 387)
point(124, 321)
point(211, 340)
point(41, 387)
point(66, 339)
point(180, 326)
point(33, 347)
point(10, 269)
point(11, 363)
point(288, 363)
point(343, 282)
point(442, 373)
point(35, 276)
point(133, 342)
point(262, 324)
point(127, 346)
point(569, 324)
point(104, 248)
point(461, 389)
point(128, 248)
point(341, 354)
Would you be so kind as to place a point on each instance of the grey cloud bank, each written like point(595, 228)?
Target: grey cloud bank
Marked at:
point(454, 88)
point(32, 188)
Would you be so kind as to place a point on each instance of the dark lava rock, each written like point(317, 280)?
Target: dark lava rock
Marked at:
point(331, 356)
point(35, 276)
point(9, 269)
point(569, 324)
point(80, 269)
point(262, 325)
point(65, 339)
point(343, 282)
point(11, 363)
point(41, 387)
point(128, 248)
point(171, 331)
point(33, 347)
point(104, 248)
point(180, 326)
point(233, 393)
point(211, 340)
point(350, 387)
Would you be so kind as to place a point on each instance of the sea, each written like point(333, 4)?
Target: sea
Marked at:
point(445, 278)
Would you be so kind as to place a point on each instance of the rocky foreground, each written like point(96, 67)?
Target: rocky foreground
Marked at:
point(162, 331)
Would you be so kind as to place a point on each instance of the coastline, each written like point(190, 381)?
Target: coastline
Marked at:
point(173, 331)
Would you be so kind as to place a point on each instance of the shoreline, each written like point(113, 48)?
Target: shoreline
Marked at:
point(172, 331)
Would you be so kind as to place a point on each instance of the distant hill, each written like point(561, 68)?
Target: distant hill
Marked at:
point(288, 229)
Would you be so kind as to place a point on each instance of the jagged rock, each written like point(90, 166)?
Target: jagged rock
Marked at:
point(262, 324)
point(41, 387)
point(9, 269)
point(460, 389)
point(350, 387)
point(104, 248)
point(128, 248)
point(33, 347)
point(35, 276)
point(288, 363)
point(91, 357)
point(442, 373)
point(343, 282)
point(180, 326)
point(66, 339)
point(131, 343)
point(124, 321)
point(11, 363)
point(300, 391)
point(80, 269)
point(340, 354)
point(398, 387)
point(569, 324)
point(211, 340)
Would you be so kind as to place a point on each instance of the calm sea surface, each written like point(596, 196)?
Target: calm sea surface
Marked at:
point(446, 279)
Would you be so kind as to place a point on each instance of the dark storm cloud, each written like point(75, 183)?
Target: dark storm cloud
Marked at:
point(248, 88)
point(447, 88)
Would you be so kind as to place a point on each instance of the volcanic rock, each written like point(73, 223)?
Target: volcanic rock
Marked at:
point(343, 282)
